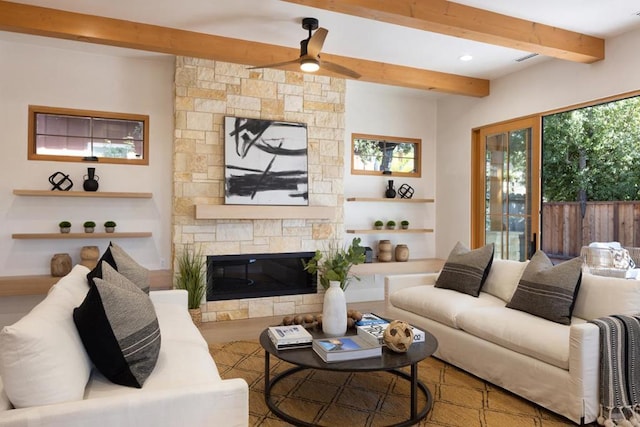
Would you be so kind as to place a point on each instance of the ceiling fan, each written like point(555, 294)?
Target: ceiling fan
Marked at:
point(310, 48)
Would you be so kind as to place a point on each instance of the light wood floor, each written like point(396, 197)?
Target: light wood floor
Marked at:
point(249, 329)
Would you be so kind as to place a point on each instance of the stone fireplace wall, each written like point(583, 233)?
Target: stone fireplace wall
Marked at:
point(207, 91)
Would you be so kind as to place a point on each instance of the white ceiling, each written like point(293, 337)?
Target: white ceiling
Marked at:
point(277, 22)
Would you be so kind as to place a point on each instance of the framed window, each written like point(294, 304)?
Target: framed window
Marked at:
point(378, 155)
point(67, 135)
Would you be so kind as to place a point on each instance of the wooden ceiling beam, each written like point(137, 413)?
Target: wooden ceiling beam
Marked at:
point(55, 23)
point(453, 19)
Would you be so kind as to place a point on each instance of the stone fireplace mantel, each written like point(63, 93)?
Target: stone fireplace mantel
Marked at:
point(264, 212)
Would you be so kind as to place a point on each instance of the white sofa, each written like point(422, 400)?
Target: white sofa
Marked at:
point(183, 389)
point(553, 365)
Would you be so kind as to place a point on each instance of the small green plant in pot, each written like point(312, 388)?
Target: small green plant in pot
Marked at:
point(378, 225)
point(65, 226)
point(89, 226)
point(191, 277)
point(404, 224)
point(110, 226)
point(391, 225)
point(336, 263)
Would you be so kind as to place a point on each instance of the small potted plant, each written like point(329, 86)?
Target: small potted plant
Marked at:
point(110, 226)
point(378, 225)
point(391, 225)
point(65, 226)
point(89, 226)
point(404, 224)
point(191, 276)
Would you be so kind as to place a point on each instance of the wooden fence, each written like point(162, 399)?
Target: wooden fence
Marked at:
point(565, 231)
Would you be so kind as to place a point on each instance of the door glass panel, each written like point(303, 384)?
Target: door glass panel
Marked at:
point(508, 195)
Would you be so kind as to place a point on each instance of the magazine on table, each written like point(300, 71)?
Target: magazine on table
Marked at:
point(290, 336)
point(345, 348)
point(370, 319)
point(375, 333)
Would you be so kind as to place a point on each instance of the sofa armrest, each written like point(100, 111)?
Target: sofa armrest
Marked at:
point(173, 296)
point(584, 365)
point(396, 282)
point(195, 405)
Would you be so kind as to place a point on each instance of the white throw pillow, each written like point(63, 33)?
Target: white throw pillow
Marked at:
point(503, 278)
point(42, 359)
point(601, 296)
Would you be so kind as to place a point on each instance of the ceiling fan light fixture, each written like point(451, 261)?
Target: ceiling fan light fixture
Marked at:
point(309, 65)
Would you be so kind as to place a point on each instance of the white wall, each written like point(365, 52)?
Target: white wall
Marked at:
point(546, 86)
point(390, 111)
point(62, 77)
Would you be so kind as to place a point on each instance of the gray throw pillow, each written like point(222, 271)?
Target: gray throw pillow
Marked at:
point(548, 291)
point(466, 270)
point(121, 261)
point(119, 329)
point(129, 268)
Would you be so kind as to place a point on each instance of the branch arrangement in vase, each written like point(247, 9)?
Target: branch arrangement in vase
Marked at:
point(334, 265)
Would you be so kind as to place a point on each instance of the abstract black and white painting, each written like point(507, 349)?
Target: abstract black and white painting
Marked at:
point(265, 162)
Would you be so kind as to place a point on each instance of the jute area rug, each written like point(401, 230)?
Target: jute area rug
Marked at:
point(376, 399)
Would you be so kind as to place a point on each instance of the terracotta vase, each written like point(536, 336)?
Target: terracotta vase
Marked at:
point(384, 251)
point(402, 253)
point(60, 265)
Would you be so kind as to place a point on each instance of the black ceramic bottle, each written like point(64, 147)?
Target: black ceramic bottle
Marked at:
point(91, 180)
point(391, 192)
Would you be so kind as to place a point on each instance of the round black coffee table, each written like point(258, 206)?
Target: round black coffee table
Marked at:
point(306, 358)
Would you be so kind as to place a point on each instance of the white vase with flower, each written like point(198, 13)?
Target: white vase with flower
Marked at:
point(334, 278)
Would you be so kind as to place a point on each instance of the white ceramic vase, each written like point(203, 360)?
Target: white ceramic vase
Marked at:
point(334, 311)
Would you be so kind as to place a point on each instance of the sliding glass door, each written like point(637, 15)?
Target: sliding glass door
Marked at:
point(505, 195)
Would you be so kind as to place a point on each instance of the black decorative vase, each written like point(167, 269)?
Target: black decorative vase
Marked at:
point(91, 180)
point(391, 192)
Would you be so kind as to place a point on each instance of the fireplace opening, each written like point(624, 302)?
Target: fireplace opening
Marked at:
point(258, 275)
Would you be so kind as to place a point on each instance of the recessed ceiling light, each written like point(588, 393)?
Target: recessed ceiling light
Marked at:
point(466, 57)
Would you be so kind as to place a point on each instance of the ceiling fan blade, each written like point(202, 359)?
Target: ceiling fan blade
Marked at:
point(314, 46)
point(276, 65)
point(331, 66)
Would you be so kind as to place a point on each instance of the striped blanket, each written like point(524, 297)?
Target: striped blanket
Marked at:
point(619, 370)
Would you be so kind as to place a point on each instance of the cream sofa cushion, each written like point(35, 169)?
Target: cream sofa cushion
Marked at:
point(521, 332)
point(42, 359)
point(5, 404)
point(503, 278)
point(601, 296)
point(441, 305)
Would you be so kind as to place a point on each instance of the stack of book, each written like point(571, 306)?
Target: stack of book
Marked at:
point(292, 336)
point(371, 329)
point(345, 348)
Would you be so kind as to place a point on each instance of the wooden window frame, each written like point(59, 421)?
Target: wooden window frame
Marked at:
point(36, 109)
point(417, 158)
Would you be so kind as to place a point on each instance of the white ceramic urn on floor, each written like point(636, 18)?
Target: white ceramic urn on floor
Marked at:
point(334, 311)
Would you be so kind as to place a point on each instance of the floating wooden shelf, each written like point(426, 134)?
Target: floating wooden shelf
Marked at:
point(423, 265)
point(384, 199)
point(39, 285)
point(263, 212)
point(384, 231)
point(105, 194)
point(80, 235)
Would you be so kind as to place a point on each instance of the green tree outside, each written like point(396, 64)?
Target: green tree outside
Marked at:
point(595, 150)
